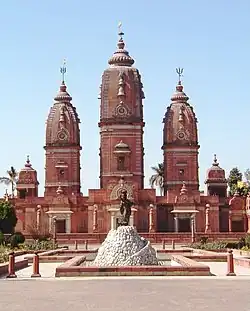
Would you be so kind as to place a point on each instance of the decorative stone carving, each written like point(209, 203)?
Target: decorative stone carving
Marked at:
point(63, 135)
point(121, 110)
point(117, 191)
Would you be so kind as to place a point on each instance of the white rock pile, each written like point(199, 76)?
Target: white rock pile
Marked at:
point(124, 247)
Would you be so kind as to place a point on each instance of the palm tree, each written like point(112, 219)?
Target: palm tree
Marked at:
point(157, 179)
point(11, 179)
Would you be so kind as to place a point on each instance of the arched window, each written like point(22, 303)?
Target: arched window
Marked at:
point(121, 163)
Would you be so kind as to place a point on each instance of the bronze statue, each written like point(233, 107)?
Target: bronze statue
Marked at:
point(125, 209)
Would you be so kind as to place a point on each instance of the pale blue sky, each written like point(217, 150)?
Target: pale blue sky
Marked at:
point(210, 39)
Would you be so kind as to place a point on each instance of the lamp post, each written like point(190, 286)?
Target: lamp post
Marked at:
point(54, 231)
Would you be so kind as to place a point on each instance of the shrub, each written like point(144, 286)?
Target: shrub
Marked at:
point(4, 256)
point(247, 240)
point(41, 245)
point(203, 239)
point(8, 217)
point(16, 239)
point(216, 245)
point(19, 237)
point(39, 234)
point(2, 240)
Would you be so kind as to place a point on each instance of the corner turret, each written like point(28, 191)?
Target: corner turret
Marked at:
point(27, 184)
point(215, 180)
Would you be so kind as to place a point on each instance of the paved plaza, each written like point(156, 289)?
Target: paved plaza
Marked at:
point(126, 294)
point(217, 292)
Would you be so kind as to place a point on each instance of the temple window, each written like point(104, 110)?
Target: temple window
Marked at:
point(22, 194)
point(181, 172)
point(61, 172)
point(121, 163)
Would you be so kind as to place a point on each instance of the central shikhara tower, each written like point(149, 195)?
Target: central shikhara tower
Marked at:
point(121, 121)
point(181, 208)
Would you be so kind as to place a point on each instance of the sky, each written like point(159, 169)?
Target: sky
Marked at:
point(209, 39)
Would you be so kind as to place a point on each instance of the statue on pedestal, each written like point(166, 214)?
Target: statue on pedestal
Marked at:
point(125, 209)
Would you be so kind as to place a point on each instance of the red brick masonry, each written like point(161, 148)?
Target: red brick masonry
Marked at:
point(188, 267)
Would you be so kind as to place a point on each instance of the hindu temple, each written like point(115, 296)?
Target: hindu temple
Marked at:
point(181, 208)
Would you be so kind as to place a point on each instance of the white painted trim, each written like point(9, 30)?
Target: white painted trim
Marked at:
point(181, 182)
point(25, 186)
point(62, 184)
point(106, 128)
point(169, 150)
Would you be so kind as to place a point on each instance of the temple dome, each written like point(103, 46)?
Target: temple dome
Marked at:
point(180, 123)
point(121, 147)
point(121, 57)
point(63, 121)
point(27, 175)
point(215, 173)
point(121, 90)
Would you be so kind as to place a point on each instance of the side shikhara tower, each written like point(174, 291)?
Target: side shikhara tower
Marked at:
point(180, 143)
point(121, 120)
point(62, 145)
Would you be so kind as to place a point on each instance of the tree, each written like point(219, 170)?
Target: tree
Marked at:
point(8, 217)
point(247, 176)
point(11, 179)
point(39, 233)
point(235, 182)
point(157, 179)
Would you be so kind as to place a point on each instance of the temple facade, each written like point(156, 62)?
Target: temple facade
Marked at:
point(181, 208)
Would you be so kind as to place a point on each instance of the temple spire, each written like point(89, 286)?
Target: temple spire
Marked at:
point(179, 95)
point(121, 57)
point(63, 71)
point(28, 164)
point(120, 32)
point(63, 95)
point(179, 72)
point(215, 163)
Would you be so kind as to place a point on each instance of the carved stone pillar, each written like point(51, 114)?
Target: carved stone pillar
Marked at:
point(68, 224)
point(151, 218)
point(38, 217)
point(113, 224)
point(95, 218)
point(176, 223)
point(51, 228)
point(192, 228)
point(207, 216)
point(230, 221)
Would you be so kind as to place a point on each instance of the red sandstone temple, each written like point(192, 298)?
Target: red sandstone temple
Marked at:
point(181, 209)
